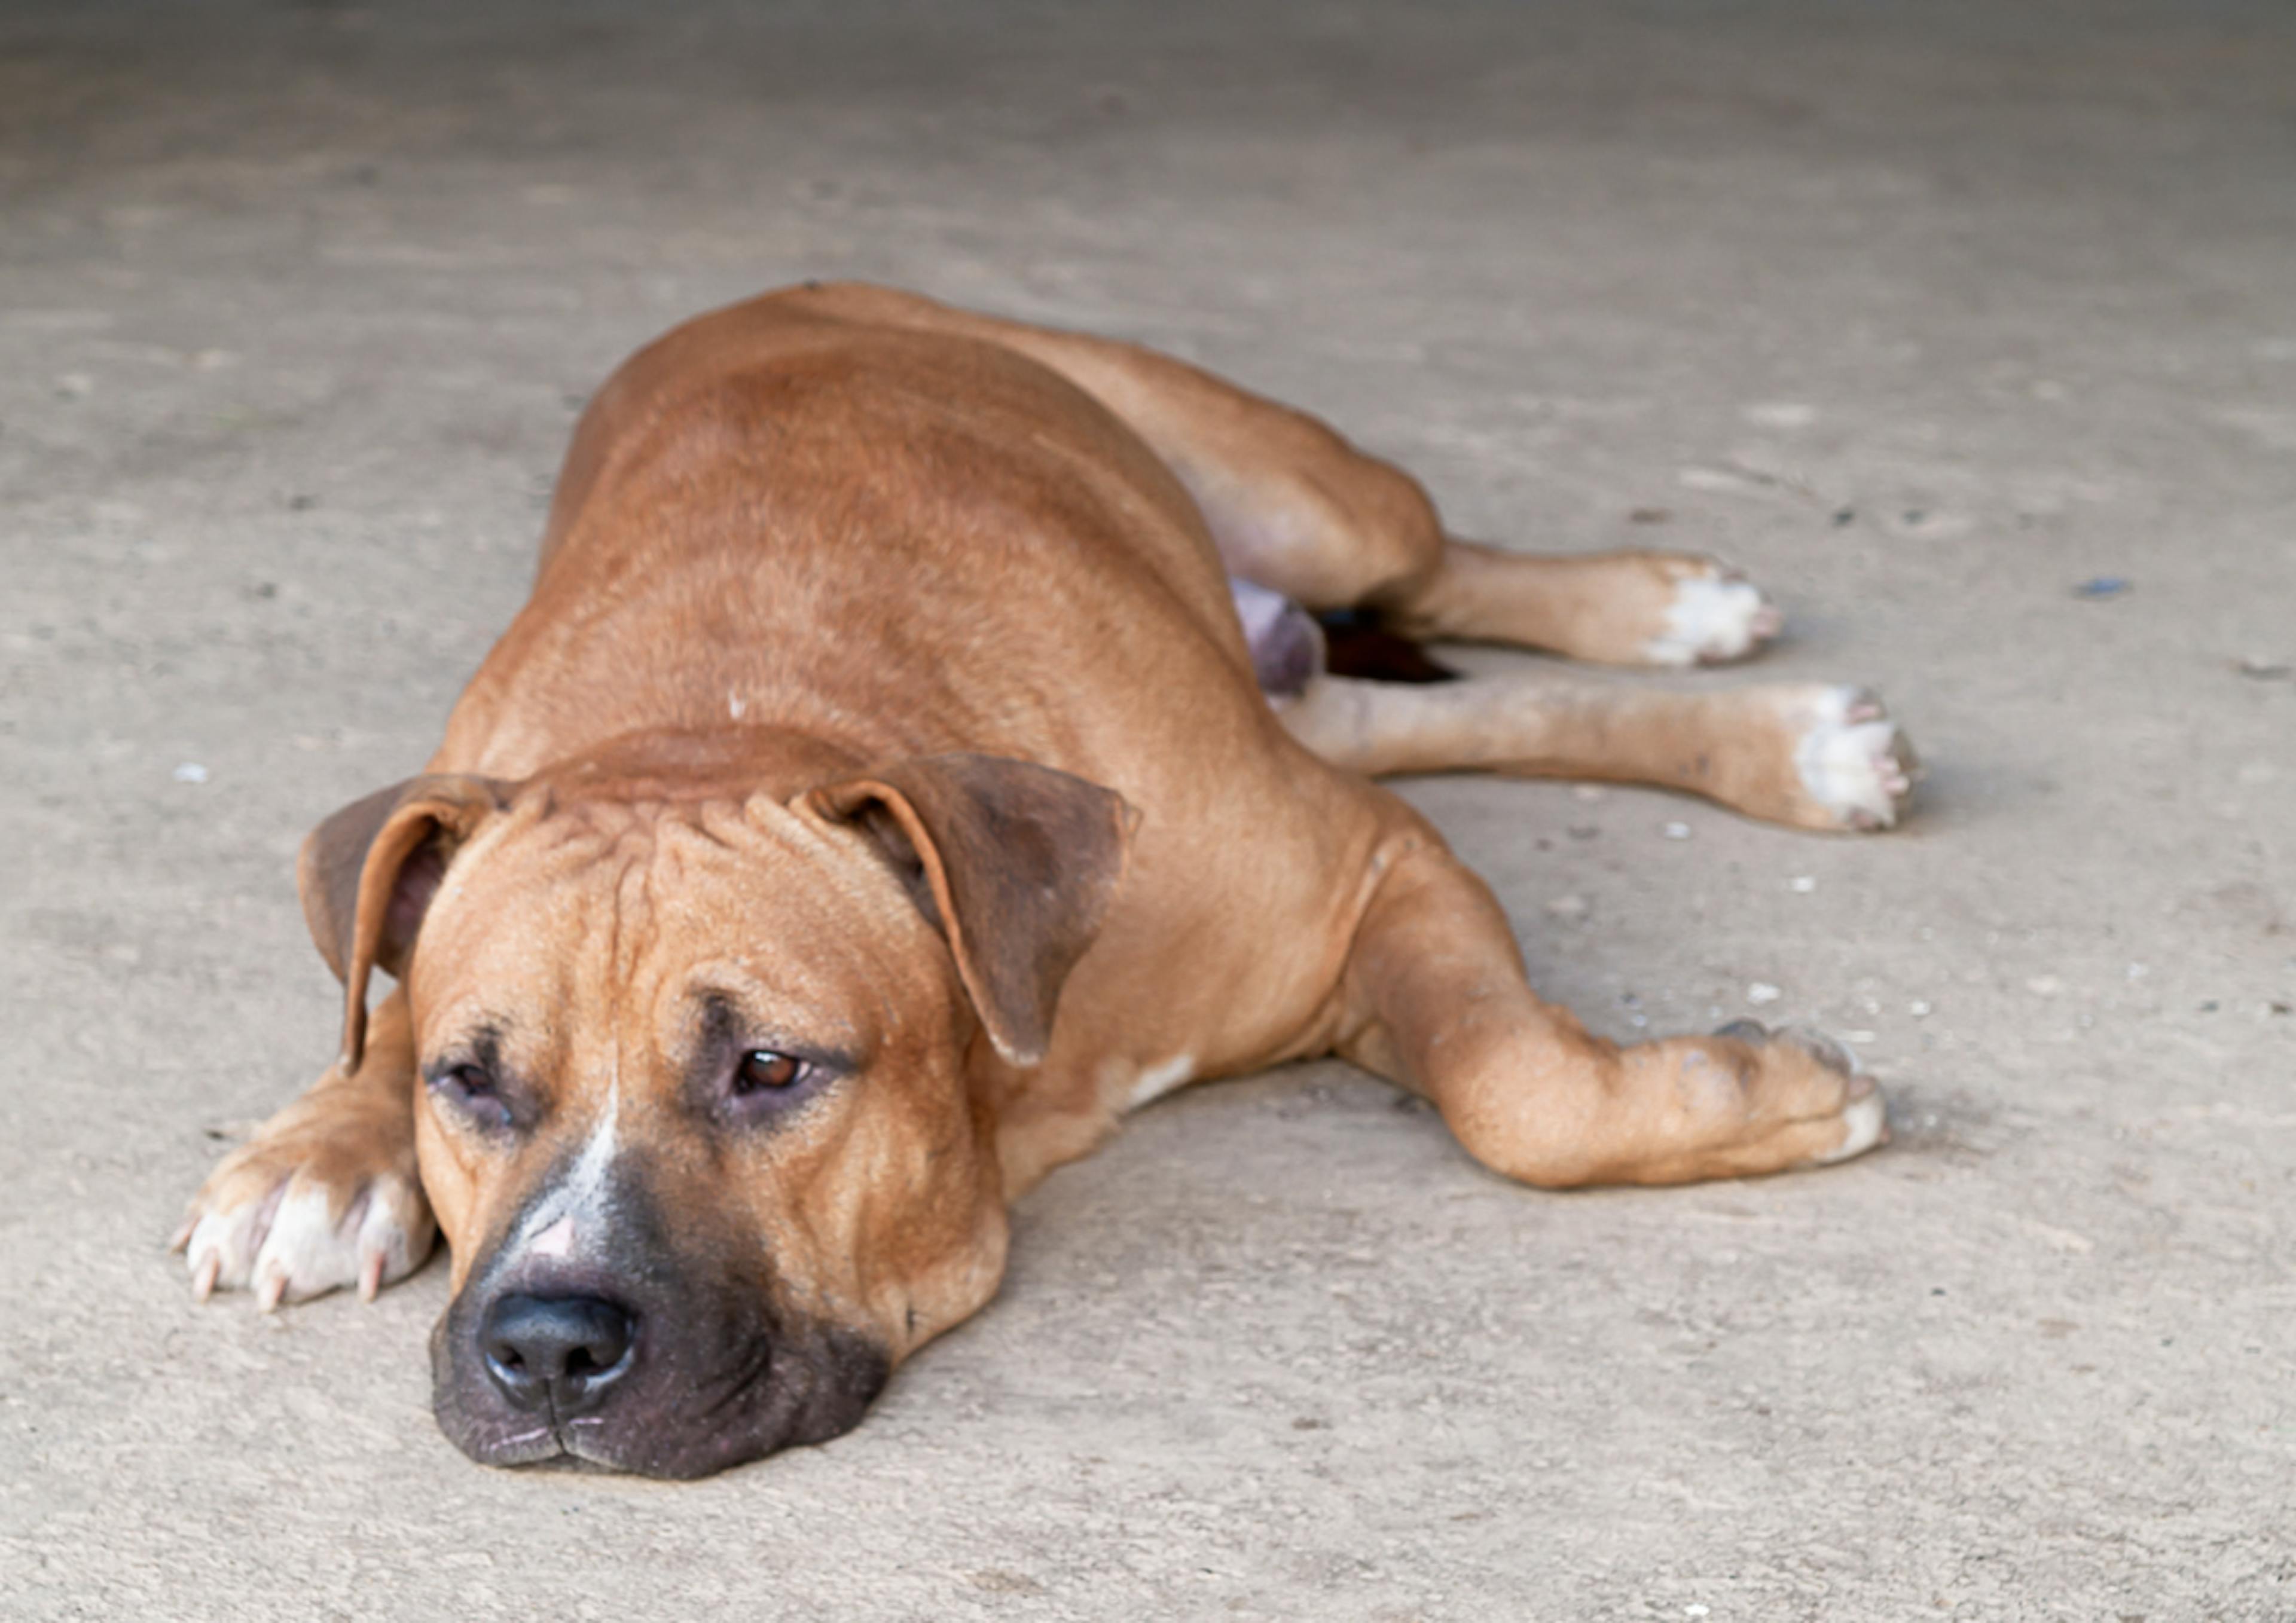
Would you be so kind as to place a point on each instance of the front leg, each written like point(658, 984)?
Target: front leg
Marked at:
point(326, 1194)
point(1436, 1001)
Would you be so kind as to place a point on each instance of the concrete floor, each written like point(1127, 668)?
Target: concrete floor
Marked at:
point(1926, 318)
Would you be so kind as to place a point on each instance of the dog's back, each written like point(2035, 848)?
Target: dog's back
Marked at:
point(1009, 532)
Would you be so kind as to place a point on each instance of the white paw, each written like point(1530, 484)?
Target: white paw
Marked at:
point(1714, 616)
point(1852, 760)
point(298, 1237)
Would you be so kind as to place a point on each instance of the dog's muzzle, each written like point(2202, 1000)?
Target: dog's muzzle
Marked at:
point(613, 1336)
point(660, 1371)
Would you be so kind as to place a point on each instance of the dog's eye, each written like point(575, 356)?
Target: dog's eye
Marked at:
point(764, 1072)
point(470, 1089)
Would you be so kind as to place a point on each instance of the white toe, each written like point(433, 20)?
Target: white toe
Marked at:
point(1866, 1119)
point(309, 1252)
point(221, 1250)
point(397, 1228)
point(1711, 618)
point(315, 1251)
point(306, 1251)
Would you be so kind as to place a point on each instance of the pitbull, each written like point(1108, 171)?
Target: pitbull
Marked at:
point(916, 753)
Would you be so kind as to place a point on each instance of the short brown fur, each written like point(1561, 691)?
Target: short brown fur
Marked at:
point(820, 568)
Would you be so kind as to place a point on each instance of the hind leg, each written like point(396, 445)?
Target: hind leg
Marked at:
point(1294, 508)
point(1659, 608)
point(1805, 754)
point(1438, 1002)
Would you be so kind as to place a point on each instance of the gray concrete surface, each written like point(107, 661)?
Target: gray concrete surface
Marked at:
point(1926, 315)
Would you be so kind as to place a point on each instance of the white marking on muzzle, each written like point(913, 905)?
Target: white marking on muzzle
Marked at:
point(580, 1201)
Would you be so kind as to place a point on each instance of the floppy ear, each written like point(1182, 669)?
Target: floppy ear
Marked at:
point(1015, 863)
point(367, 873)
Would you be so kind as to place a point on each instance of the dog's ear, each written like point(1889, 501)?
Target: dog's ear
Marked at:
point(368, 872)
point(1015, 863)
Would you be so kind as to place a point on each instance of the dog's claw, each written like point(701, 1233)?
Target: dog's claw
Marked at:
point(276, 1228)
point(181, 1237)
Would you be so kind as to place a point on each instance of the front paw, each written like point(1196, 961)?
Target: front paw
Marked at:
point(1827, 1083)
point(315, 1201)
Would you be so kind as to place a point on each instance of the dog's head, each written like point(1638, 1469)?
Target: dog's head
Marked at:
point(693, 1104)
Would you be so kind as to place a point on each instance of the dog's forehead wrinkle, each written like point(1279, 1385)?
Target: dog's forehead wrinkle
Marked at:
point(777, 819)
point(705, 826)
point(512, 868)
point(549, 829)
point(630, 920)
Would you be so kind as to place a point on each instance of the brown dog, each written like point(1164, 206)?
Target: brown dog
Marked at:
point(876, 800)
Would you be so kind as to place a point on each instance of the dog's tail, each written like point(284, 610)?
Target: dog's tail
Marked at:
point(1357, 644)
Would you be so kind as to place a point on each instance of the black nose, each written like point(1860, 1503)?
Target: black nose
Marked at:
point(563, 1351)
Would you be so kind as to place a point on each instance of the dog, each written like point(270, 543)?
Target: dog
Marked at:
point(916, 753)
